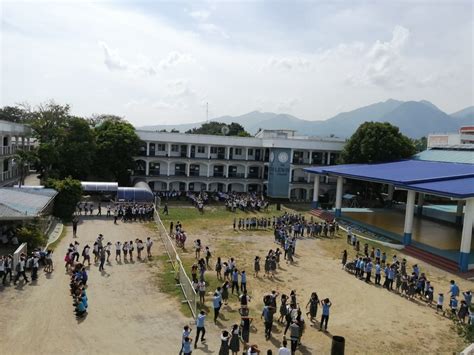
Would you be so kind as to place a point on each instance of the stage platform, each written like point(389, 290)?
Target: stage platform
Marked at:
point(439, 238)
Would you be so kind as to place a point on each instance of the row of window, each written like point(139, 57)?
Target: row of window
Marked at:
point(201, 149)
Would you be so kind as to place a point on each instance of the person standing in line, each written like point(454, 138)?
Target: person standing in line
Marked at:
point(208, 256)
point(99, 212)
point(108, 250)
point(295, 333)
point(8, 263)
point(344, 258)
point(86, 255)
point(108, 210)
point(20, 270)
point(202, 290)
point(284, 350)
point(234, 344)
point(224, 349)
point(118, 251)
point(216, 303)
point(186, 333)
point(325, 316)
point(102, 257)
point(149, 244)
point(34, 267)
point(131, 249)
point(187, 344)
point(243, 281)
point(115, 216)
point(75, 221)
point(267, 316)
point(313, 306)
point(165, 209)
point(235, 281)
point(125, 250)
point(256, 266)
point(200, 328)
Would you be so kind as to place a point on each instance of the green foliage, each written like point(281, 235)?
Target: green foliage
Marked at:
point(216, 129)
point(14, 114)
point(420, 144)
point(24, 159)
point(32, 235)
point(117, 144)
point(376, 142)
point(69, 194)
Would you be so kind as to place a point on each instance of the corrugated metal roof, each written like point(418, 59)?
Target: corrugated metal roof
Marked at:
point(451, 156)
point(411, 175)
point(17, 202)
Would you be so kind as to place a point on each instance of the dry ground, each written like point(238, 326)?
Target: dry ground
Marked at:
point(371, 319)
point(129, 314)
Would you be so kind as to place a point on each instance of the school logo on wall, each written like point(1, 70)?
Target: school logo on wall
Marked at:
point(279, 173)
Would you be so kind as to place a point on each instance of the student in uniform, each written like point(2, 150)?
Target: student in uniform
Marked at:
point(118, 251)
point(325, 316)
point(200, 328)
point(216, 304)
point(185, 338)
point(149, 244)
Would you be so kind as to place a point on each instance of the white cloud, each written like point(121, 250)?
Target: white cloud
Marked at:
point(289, 63)
point(200, 15)
point(175, 58)
point(112, 59)
point(213, 29)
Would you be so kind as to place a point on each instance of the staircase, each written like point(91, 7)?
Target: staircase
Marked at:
point(435, 260)
point(322, 214)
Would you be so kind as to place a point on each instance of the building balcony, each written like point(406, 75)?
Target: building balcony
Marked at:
point(12, 149)
point(214, 158)
point(236, 175)
point(9, 176)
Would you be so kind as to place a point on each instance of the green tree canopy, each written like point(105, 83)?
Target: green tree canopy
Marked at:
point(69, 194)
point(15, 114)
point(216, 129)
point(117, 144)
point(376, 142)
point(420, 144)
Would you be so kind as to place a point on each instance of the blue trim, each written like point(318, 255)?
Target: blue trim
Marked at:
point(314, 204)
point(459, 220)
point(464, 261)
point(338, 212)
point(407, 239)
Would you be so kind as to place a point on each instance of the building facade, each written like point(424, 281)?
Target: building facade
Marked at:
point(464, 136)
point(13, 137)
point(271, 162)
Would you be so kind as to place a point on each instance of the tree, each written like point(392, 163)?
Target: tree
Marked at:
point(69, 195)
point(376, 142)
point(420, 144)
point(117, 144)
point(216, 129)
point(14, 114)
point(76, 149)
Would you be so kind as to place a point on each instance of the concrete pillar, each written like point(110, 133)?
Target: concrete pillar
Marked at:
point(329, 158)
point(246, 153)
point(147, 149)
point(169, 151)
point(310, 161)
point(419, 207)
point(227, 153)
point(315, 203)
point(409, 209)
point(188, 153)
point(466, 235)
point(459, 210)
point(147, 167)
point(339, 188)
point(188, 167)
point(246, 171)
point(208, 170)
point(208, 152)
point(390, 191)
point(168, 169)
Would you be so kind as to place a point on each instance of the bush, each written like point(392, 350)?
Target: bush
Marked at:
point(69, 194)
point(32, 235)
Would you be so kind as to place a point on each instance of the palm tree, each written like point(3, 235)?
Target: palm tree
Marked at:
point(23, 159)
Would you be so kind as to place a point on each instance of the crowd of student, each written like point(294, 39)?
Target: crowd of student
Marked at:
point(245, 201)
point(78, 286)
point(410, 285)
point(31, 262)
point(198, 199)
point(125, 212)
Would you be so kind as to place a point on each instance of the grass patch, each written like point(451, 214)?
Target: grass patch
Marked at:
point(167, 283)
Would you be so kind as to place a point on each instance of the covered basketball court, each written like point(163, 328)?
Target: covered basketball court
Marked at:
point(454, 181)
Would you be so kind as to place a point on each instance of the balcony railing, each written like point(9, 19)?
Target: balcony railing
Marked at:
point(180, 173)
point(12, 149)
point(218, 175)
point(9, 175)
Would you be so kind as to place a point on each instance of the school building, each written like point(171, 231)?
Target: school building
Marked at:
point(13, 137)
point(271, 162)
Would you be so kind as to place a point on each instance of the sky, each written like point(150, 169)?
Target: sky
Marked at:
point(155, 62)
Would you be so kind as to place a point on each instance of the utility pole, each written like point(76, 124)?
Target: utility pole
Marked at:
point(207, 112)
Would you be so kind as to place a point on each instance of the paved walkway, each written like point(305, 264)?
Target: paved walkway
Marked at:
point(127, 313)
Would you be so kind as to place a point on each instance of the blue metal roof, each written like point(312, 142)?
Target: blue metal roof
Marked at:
point(411, 175)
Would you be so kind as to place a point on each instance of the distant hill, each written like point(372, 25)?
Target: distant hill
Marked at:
point(464, 117)
point(414, 118)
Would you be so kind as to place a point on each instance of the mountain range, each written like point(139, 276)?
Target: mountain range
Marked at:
point(414, 118)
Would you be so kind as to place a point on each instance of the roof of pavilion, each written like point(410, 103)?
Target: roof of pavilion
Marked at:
point(453, 180)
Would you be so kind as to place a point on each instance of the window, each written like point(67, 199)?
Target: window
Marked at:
point(213, 150)
point(161, 147)
point(175, 148)
point(238, 151)
point(201, 149)
point(250, 151)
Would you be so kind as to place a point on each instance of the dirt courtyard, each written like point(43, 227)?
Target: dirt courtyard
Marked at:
point(128, 314)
